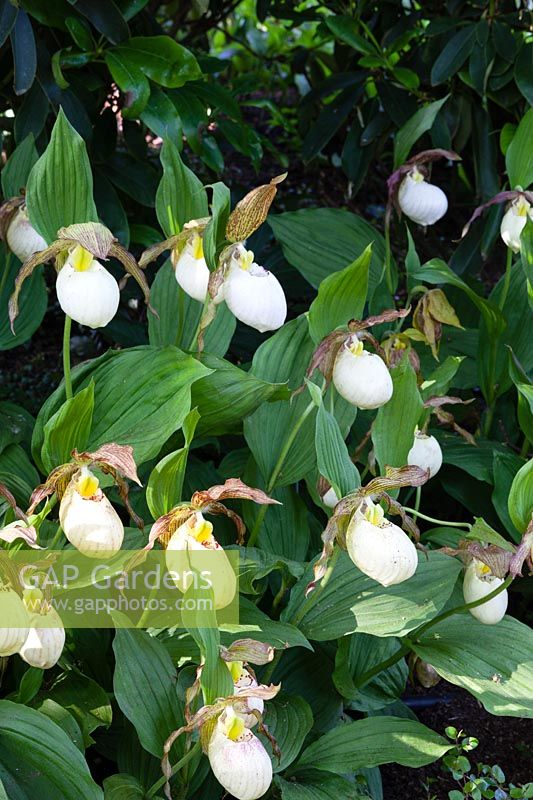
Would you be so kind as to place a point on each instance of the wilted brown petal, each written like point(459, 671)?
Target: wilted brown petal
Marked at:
point(501, 197)
point(389, 315)
point(25, 532)
point(164, 527)
point(248, 650)
point(495, 557)
point(56, 483)
point(118, 456)
point(395, 478)
point(153, 252)
point(232, 488)
point(8, 210)
point(395, 508)
point(250, 212)
point(524, 552)
point(446, 418)
point(92, 236)
point(324, 356)
point(25, 271)
point(7, 495)
point(133, 269)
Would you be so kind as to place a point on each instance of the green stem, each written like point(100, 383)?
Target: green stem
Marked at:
point(146, 612)
point(277, 469)
point(66, 357)
point(507, 279)
point(313, 597)
point(446, 522)
point(181, 763)
point(388, 272)
point(418, 498)
point(488, 419)
point(465, 607)
point(57, 536)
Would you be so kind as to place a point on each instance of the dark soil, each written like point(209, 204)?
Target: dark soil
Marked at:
point(505, 741)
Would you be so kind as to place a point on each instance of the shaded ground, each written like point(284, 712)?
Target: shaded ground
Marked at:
point(505, 741)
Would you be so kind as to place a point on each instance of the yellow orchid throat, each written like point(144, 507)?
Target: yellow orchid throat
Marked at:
point(356, 347)
point(197, 247)
point(202, 531)
point(246, 260)
point(233, 725)
point(87, 484)
point(235, 668)
point(80, 259)
point(374, 514)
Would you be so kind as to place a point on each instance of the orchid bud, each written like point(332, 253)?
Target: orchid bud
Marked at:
point(243, 680)
point(422, 202)
point(88, 519)
point(238, 759)
point(514, 221)
point(330, 498)
point(380, 549)
point(425, 453)
point(13, 612)
point(86, 291)
point(44, 645)
point(22, 238)
point(479, 582)
point(191, 270)
point(196, 536)
point(362, 378)
point(253, 294)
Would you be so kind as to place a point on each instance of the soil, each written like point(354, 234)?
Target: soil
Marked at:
point(505, 741)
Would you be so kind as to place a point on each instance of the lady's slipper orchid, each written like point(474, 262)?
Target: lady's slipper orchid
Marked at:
point(514, 221)
point(88, 519)
point(380, 549)
point(330, 498)
point(425, 453)
point(238, 759)
point(253, 294)
point(195, 537)
point(479, 582)
point(46, 636)
point(86, 291)
point(243, 680)
point(422, 202)
point(362, 378)
point(13, 612)
point(21, 237)
point(191, 270)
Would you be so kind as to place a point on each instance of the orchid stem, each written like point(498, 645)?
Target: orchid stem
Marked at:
point(507, 279)
point(416, 513)
point(388, 255)
point(315, 594)
point(418, 498)
point(181, 763)
point(66, 357)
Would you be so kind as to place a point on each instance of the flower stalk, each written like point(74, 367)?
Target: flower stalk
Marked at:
point(66, 357)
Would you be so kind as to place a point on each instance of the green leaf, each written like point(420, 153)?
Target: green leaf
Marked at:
point(179, 316)
point(18, 473)
point(356, 655)
point(18, 167)
point(523, 71)
point(24, 53)
point(123, 787)
point(454, 55)
point(333, 460)
point(141, 396)
point(85, 699)
point(479, 658)
point(505, 467)
point(374, 741)
point(215, 232)
point(228, 395)
point(131, 81)
point(161, 117)
point(524, 388)
point(345, 28)
point(180, 196)
point(60, 185)
point(519, 157)
point(33, 302)
point(105, 16)
point(351, 602)
point(165, 484)
point(317, 785)
point(289, 720)
point(413, 129)
point(67, 429)
point(285, 529)
point(161, 59)
point(341, 297)
point(521, 497)
point(319, 241)
point(37, 759)
point(394, 426)
point(145, 687)
point(215, 679)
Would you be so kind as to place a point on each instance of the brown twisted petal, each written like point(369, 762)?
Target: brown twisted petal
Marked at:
point(424, 157)
point(232, 488)
point(153, 252)
point(56, 483)
point(7, 495)
point(252, 210)
point(501, 197)
point(92, 236)
point(131, 267)
point(248, 650)
point(25, 272)
point(118, 456)
point(8, 210)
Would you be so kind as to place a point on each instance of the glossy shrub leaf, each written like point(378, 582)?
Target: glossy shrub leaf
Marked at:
point(454, 55)
point(478, 658)
point(141, 396)
point(180, 196)
point(32, 303)
point(105, 16)
point(24, 53)
point(34, 752)
point(289, 720)
point(18, 167)
point(352, 602)
point(161, 59)
point(519, 158)
point(374, 741)
point(523, 71)
point(60, 185)
point(412, 130)
point(319, 241)
point(341, 297)
point(228, 395)
point(8, 16)
point(165, 484)
point(333, 459)
point(145, 687)
point(131, 81)
point(68, 428)
point(394, 426)
point(521, 497)
point(160, 115)
point(358, 654)
point(179, 316)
